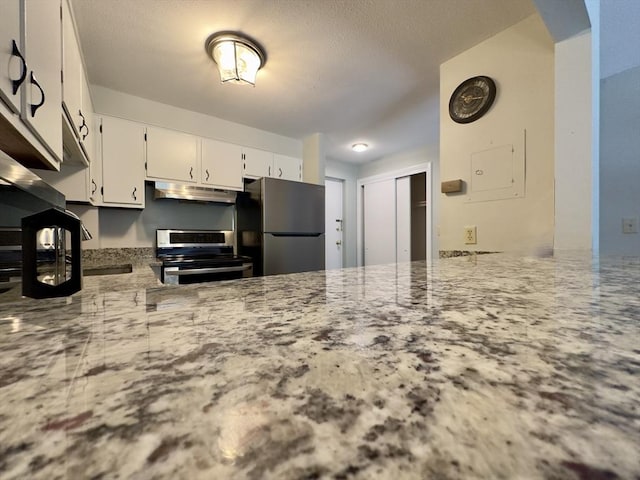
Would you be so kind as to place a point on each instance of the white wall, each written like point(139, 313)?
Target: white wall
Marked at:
point(521, 61)
point(573, 146)
point(118, 104)
point(619, 161)
point(348, 173)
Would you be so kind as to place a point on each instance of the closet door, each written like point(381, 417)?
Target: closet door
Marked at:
point(403, 219)
point(379, 222)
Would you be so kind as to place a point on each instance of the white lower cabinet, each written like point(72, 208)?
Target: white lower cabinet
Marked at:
point(171, 155)
point(122, 163)
point(287, 168)
point(257, 163)
point(221, 164)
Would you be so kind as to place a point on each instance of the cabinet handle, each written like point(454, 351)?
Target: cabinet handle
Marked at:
point(269, 170)
point(15, 52)
point(95, 186)
point(207, 172)
point(191, 173)
point(280, 173)
point(135, 189)
point(33, 81)
point(84, 125)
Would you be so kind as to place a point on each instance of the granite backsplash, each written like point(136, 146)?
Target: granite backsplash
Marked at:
point(116, 256)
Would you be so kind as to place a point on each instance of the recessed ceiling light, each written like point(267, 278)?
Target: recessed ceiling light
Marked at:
point(359, 147)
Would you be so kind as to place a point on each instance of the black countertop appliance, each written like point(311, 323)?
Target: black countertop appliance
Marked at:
point(51, 254)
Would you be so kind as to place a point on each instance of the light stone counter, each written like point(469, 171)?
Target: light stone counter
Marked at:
point(485, 367)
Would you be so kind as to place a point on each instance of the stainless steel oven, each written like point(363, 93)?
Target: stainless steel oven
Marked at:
point(193, 256)
point(10, 258)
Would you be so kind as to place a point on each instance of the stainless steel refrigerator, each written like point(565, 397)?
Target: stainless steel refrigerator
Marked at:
point(280, 225)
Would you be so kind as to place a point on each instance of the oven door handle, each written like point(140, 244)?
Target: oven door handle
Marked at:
point(201, 271)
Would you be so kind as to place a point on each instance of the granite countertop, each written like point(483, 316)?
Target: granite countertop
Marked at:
point(486, 367)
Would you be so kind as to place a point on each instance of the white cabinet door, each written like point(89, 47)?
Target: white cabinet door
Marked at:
point(221, 164)
point(379, 222)
point(13, 68)
point(287, 168)
point(72, 73)
point(88, 133)
point(42, 95)
point(122, 162)
point(95, 167)
point(171, 155)
point(257, 163)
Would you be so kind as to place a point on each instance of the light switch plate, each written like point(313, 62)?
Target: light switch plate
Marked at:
point(630, 225)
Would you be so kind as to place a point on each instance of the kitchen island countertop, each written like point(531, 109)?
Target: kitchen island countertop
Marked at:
point(474, 368)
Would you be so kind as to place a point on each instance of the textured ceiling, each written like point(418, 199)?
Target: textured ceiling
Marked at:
point(355, 70)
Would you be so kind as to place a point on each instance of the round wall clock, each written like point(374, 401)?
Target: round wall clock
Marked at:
point(472, 99)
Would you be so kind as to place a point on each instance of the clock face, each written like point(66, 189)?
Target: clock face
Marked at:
point(472, 99)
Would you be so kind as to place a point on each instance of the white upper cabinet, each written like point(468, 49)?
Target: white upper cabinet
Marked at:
point(13, 69)
point(287, 168)
point(95, 167)
point(257, 163)
point(171, 155)
point(221, 164)
point(122, 162)
point(88, 133)
point(72, 181)
point(72, 72)
point(42, 94)
point(76, 98)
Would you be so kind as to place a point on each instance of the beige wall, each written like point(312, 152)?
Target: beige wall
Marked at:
point(521, 61)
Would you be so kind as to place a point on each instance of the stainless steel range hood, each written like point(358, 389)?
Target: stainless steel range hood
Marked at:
point(14, 175)
point(191, 192)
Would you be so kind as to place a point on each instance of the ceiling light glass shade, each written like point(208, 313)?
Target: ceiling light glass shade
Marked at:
point(359, 147)
point(238, 58)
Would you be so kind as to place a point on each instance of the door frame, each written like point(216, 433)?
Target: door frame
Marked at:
point(343, 250)
point(392, 175)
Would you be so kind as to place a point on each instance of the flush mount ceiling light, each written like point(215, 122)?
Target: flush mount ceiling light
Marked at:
point(237, 56)
point(359, 147)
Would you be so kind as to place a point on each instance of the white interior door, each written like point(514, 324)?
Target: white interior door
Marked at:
point(403, 219)
point(334, 232)
point(379, 207)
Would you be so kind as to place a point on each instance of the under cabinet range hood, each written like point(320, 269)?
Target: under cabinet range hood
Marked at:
point(194, 193)
point(23, 193)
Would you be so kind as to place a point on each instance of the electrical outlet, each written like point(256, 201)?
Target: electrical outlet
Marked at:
point(470, 235)
point(630, 225)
